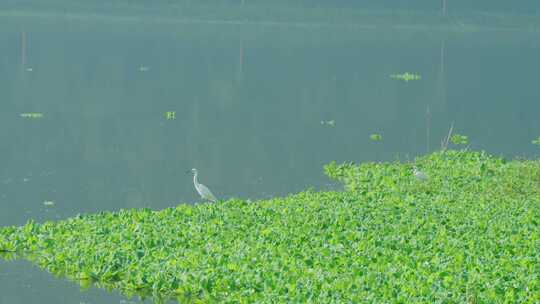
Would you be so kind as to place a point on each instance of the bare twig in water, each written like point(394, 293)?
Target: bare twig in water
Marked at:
point(444, 142)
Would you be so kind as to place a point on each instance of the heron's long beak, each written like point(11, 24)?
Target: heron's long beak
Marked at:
point(188, 171)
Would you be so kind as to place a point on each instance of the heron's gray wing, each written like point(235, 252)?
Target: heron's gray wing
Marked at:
point(206, 193)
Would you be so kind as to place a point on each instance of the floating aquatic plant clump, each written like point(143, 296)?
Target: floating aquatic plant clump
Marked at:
point(468, 234)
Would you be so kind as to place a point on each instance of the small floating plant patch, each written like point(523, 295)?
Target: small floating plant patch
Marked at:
point(406, 76)
point(32, 115)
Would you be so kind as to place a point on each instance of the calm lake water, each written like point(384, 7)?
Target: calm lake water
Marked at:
point(104, 114)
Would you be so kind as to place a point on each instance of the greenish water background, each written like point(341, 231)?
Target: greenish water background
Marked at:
point(249, 97)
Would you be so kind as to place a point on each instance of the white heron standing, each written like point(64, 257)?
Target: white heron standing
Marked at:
point(203, 191)
point(419, 174)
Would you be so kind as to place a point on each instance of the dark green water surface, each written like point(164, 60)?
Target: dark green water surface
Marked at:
point(107, 113)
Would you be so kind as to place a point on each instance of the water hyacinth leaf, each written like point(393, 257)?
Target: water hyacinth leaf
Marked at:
point(458, 139)
point(375, 137)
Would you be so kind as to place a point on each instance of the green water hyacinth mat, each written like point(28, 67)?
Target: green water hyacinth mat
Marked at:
point(469, 233)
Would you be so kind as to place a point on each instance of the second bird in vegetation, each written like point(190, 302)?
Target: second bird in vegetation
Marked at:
point(419, 174)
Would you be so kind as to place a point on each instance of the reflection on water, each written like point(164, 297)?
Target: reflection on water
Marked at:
point(105, 117)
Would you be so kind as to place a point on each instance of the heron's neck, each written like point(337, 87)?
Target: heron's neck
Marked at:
point(195, 180)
